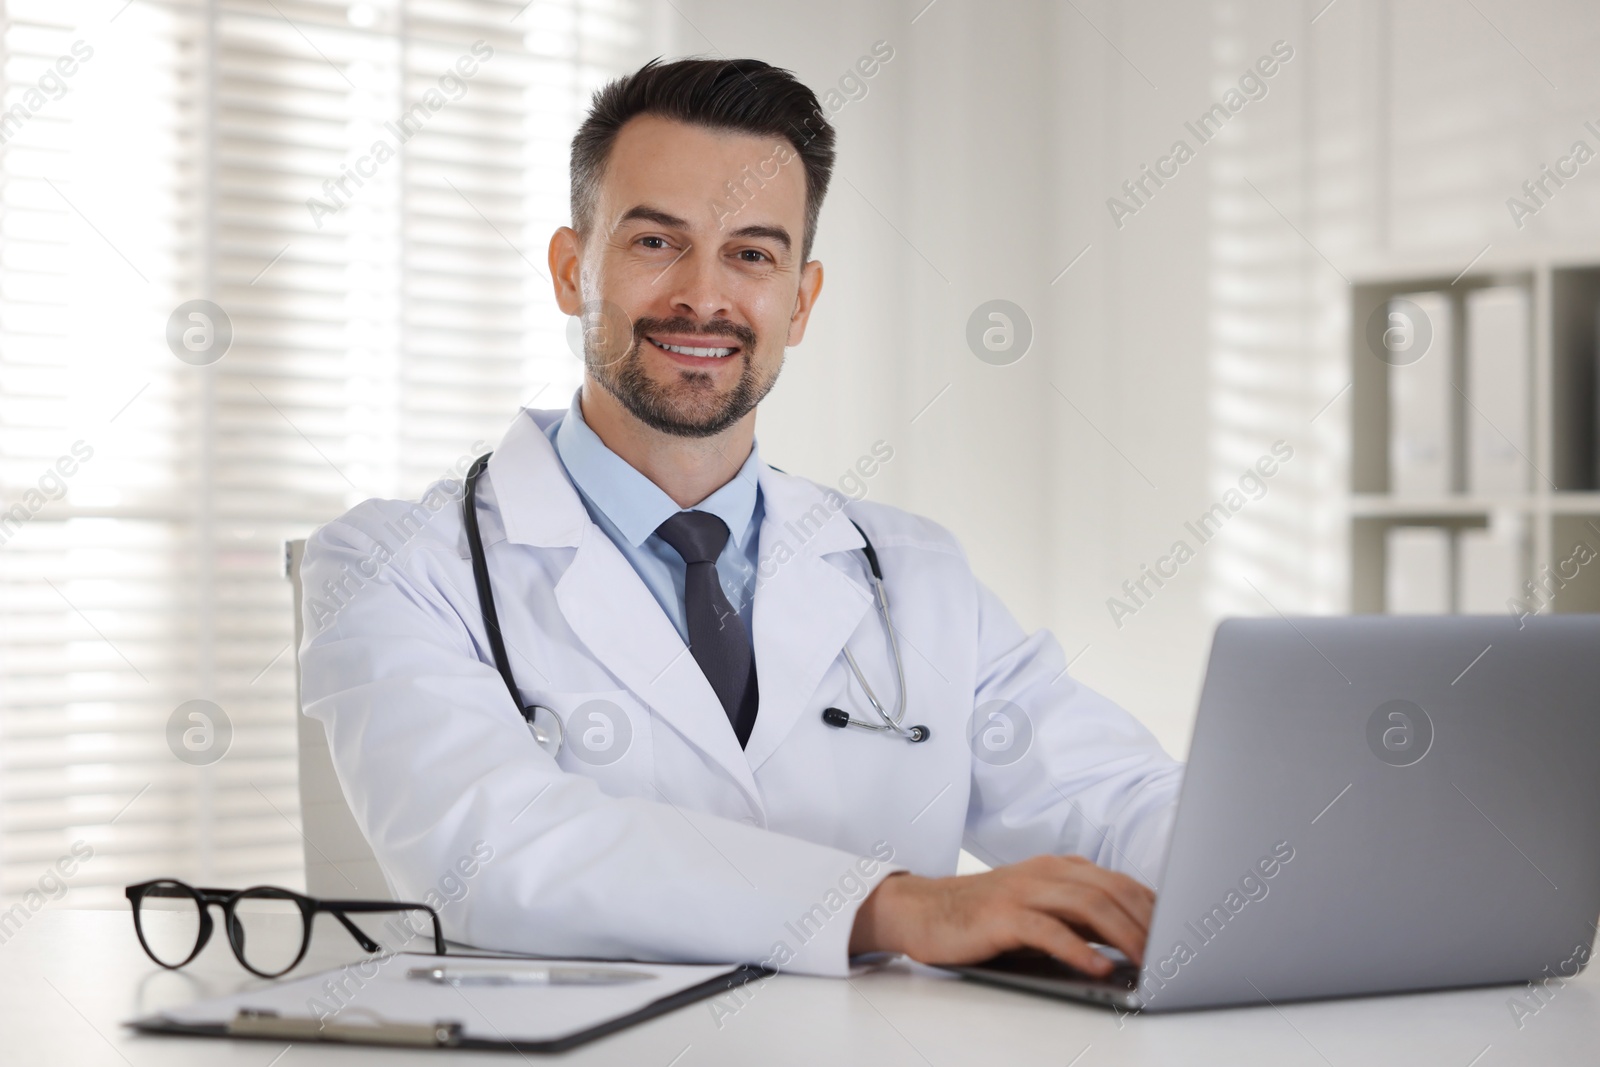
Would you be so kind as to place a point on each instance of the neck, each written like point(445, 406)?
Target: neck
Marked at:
point(688, 469)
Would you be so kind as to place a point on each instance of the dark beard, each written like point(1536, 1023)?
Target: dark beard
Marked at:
point(662, 408)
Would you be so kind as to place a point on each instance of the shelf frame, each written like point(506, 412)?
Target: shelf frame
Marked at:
point(1564, 493)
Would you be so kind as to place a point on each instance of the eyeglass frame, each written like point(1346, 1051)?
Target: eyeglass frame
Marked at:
point(228, 899)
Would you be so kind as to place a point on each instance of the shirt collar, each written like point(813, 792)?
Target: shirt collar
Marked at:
point(633, 502)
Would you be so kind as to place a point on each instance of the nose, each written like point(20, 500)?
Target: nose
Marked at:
point(695, 286)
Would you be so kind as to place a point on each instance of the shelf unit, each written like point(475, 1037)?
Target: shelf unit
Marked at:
point(1562, 506)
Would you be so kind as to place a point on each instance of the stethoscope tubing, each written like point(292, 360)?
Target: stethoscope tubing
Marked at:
point(549, 736)
point(891, 723)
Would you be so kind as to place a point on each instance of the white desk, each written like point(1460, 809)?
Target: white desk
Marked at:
point(68, 980)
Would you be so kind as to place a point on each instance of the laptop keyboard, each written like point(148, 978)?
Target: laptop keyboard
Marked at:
point(1035, 964)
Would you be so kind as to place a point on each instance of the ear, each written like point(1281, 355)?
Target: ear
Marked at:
point(566, 257)
point(805, 300)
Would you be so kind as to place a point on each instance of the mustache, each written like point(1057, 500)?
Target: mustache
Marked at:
point(720, 327)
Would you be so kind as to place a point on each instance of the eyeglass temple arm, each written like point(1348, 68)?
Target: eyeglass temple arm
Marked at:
point(355, 931)
point(338, 908)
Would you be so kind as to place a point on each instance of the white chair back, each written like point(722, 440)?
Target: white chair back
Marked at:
point(339, 862)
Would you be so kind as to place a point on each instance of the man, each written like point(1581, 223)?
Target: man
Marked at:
point(689, 613)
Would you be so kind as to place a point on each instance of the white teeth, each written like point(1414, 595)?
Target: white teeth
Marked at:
point(702, 353)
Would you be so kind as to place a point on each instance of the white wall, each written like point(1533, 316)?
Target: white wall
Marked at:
point(1210, 325)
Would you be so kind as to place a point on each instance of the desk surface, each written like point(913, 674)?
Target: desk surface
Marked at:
point(68, 979)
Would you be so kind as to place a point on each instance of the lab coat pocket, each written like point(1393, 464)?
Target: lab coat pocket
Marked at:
point(606, 736)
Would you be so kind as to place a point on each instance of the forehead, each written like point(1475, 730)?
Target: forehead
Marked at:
point(685, 169)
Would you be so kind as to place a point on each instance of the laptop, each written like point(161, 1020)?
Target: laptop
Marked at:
point(1372, 804)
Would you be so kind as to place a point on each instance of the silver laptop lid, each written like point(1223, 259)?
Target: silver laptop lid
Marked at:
point(1377, 804)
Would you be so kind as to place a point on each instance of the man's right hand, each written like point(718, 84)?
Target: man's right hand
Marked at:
point(1056, 904)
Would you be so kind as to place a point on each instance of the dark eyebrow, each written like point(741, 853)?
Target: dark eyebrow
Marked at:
point(645, 213)
point(772, 233)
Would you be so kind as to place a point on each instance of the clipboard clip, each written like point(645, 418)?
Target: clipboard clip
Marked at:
point(260, 1022)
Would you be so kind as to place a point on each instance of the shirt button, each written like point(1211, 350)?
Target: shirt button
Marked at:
point(749, 820)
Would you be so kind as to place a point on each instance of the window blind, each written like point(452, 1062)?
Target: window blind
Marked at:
point(365, 191)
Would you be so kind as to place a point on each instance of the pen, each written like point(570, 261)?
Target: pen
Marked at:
point(564, 975)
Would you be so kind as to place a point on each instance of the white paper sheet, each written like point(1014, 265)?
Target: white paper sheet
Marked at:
point(362, 993)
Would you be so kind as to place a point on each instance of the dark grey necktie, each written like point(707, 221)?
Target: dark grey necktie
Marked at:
point(716, 633)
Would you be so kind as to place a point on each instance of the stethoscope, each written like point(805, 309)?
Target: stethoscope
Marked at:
point(546, 726)
point(840, 718)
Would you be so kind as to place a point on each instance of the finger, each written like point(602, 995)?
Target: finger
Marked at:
point(1133, 900)
point(1133, 896)
point(1037, 930)
point(1088, 907)
point(1137, 903)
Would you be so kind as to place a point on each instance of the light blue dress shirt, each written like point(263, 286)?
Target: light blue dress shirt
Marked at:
point(629, 507)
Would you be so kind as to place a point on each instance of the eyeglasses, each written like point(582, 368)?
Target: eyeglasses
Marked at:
point(173, 921)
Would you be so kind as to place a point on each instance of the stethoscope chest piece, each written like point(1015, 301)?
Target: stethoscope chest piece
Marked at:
point(841, 718)
point(546, 728)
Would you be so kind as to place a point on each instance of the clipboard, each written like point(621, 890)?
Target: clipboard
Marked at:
point(441, 1028)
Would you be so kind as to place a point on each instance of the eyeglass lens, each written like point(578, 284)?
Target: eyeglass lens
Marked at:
point(169, 919)
point(268, 930)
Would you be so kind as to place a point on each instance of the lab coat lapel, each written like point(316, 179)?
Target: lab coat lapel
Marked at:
point(613, 613)
point(806, 607)
point(604, 600)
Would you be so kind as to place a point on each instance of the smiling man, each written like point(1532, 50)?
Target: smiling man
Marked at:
point(741, 754)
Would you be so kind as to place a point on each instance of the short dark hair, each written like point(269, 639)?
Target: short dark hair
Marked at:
point(742, 95)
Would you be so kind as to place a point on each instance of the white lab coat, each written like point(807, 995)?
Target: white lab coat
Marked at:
point(685, 847)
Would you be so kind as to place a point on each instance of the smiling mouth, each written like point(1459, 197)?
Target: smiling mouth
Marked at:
point(695, 351)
